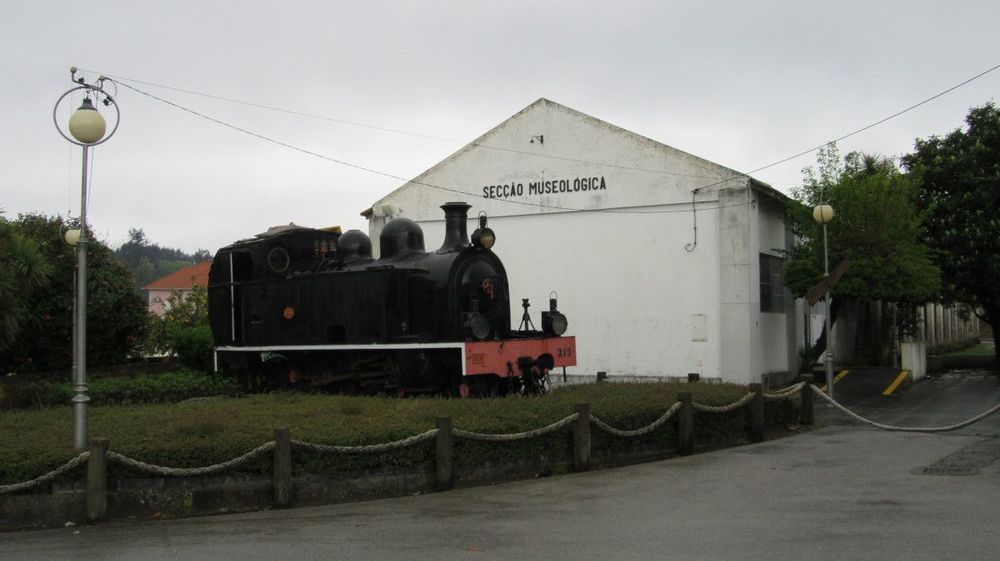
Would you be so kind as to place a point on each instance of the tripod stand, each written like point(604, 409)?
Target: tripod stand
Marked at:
point(526, 324)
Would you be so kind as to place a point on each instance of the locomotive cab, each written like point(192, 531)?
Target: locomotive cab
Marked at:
point(280, 252)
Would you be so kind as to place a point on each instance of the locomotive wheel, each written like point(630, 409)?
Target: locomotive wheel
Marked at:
point(448, 379)
point(534, 373)
point(481, 386)
point(499, 386)
point(393, 380)
point(492, 383)
point(534, 383)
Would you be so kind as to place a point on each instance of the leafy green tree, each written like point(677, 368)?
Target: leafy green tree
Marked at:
point(190, 310)
point(876, 225)
point(116, 310)
point(959, 180)
point(183, 329)
point(23, 270)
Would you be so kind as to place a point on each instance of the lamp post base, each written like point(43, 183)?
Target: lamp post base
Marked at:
point(80, 417)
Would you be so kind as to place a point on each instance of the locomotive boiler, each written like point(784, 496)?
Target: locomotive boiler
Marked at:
point(312, 307)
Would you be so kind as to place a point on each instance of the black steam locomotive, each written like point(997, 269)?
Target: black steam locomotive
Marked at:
point(311, 307)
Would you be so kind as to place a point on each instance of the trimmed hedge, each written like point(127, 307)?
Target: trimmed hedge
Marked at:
point(167, 387)
point(194, 434)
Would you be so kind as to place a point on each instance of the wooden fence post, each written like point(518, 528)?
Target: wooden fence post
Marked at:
point(581, 437)
point(444, 455)
point(806, 415)
point(685, 425)
point(97, 480)
point(282, 467)
point(756, 414)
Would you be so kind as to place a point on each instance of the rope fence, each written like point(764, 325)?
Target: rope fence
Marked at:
point(368, 448)
point(483, 437)
point(48, 477)
point(191, 472)
point(581, 420)
point(947, 428)
point(281, 446)
point(785, 393)
point(724, 408)
point(640, 431)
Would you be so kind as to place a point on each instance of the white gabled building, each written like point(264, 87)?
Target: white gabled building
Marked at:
point(665, 264)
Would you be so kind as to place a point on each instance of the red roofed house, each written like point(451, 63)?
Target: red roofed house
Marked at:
point(182, 281)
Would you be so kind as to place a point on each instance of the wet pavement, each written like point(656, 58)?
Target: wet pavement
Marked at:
point(938, 400)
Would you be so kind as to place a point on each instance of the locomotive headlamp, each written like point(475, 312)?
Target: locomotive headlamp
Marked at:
point(483, 237)
point(553, 321)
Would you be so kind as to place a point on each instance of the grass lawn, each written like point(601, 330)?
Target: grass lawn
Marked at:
point(209, 430)
point(982, 349)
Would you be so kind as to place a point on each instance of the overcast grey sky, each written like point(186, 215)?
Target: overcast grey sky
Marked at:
point(742, 84)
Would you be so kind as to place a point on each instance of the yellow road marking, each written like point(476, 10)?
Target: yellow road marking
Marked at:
point(840, 376)
point(895, 383)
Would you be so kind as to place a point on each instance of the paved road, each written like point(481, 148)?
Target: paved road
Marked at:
point(840, 492)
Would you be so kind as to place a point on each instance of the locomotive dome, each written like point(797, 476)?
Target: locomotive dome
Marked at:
point(354, 245)
point(400, 237)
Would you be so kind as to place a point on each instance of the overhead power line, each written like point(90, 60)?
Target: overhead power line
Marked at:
point(122, 80)
point(379, 172)
point(514, 201)
point(877, 123)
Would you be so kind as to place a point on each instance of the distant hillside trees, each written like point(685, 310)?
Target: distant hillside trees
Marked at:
point(149, 261)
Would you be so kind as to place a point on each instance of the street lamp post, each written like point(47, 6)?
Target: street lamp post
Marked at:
point(823, 214)
point(87, 129)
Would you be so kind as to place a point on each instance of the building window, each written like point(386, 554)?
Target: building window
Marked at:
point(772, 292)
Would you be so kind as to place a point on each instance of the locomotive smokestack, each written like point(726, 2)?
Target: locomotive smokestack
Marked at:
point(455, 232)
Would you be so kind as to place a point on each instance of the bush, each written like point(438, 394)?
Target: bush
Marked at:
point(193, 346)
point(155, 343)
point(169, 387)
point(116, 309)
